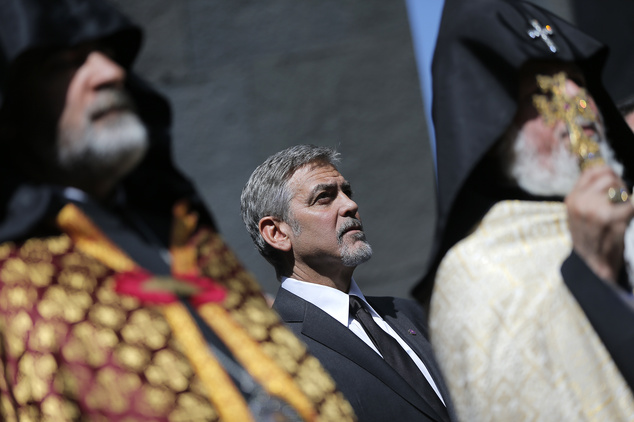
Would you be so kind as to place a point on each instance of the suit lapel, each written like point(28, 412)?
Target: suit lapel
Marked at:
point(322, 328)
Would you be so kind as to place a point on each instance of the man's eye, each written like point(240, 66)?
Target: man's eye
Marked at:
point(323, 197)
point(64, 60)
point(108, 51)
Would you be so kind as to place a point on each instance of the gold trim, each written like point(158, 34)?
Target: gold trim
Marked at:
point(276, 381)
point(221, 390)
point(91, 240)
point(182, 249)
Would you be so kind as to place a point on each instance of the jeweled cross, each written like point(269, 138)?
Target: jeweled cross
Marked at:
point(542, 32)
point(556, 105)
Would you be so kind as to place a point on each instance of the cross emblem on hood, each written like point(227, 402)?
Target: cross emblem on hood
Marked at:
point(537, 31)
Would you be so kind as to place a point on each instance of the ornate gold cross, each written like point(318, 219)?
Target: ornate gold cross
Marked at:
point(573, 111)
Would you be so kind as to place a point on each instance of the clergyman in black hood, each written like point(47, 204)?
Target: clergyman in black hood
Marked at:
point(510, 255)
point(118, 299)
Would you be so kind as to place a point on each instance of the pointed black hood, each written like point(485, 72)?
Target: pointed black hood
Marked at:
point(29, 25)
point(152, 188)
point(482, 44)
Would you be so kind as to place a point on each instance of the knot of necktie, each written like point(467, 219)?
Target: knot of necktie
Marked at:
point(356, 304)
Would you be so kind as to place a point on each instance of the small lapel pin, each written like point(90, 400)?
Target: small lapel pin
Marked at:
point(543, 33)
point(412, 332)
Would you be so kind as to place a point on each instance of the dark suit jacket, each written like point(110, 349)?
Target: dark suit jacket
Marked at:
point(611, 317)
point(374, 389)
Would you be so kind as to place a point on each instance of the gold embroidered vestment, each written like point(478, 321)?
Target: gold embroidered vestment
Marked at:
point(511, 340)
point(72, 348)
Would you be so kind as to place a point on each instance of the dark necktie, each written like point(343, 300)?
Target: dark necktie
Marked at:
point(394, 355)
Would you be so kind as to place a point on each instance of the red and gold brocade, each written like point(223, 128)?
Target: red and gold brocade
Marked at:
point(71, 348)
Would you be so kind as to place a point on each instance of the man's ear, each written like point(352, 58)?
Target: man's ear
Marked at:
point(275, 233)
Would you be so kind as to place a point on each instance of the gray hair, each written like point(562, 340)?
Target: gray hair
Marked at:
point(267, 194)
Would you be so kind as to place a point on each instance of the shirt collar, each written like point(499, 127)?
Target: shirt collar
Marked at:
point(330, 300)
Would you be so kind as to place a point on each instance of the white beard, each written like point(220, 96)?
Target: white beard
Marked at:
point(542, 176)
point(557, 175)
point(118, 145)
point(107, 149)
point(352, 257)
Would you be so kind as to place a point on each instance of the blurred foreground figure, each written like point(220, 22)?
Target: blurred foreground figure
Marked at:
point(118, 299)
point(523, 122)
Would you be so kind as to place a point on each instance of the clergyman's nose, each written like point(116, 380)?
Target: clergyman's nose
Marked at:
point(104, 71)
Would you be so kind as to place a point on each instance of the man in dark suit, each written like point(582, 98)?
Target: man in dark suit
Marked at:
point(299, 211)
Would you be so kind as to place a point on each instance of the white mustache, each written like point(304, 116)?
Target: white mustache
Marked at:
point(108, 100)
point(352, 223)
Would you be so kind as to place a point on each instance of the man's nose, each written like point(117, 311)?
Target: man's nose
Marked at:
point(349, 207)
point(104, 72)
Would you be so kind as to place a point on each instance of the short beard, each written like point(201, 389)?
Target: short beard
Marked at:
point(350, 256)
point(357, 253)
point(552, 175)
point(108, 149)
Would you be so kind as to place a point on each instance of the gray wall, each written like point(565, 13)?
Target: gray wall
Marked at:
point(247, 79)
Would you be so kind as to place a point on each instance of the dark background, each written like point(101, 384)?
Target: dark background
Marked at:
point(249, 78)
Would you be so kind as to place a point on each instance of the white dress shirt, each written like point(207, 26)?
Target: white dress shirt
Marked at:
point(336, 304)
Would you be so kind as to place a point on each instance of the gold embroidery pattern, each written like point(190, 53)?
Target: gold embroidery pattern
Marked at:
point(246, 306)
point(228, 401)
point(71, 348)
point(259, 365)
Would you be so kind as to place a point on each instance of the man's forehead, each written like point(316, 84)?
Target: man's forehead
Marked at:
point(44, 58)
point(527, 84)
point(310, 175)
